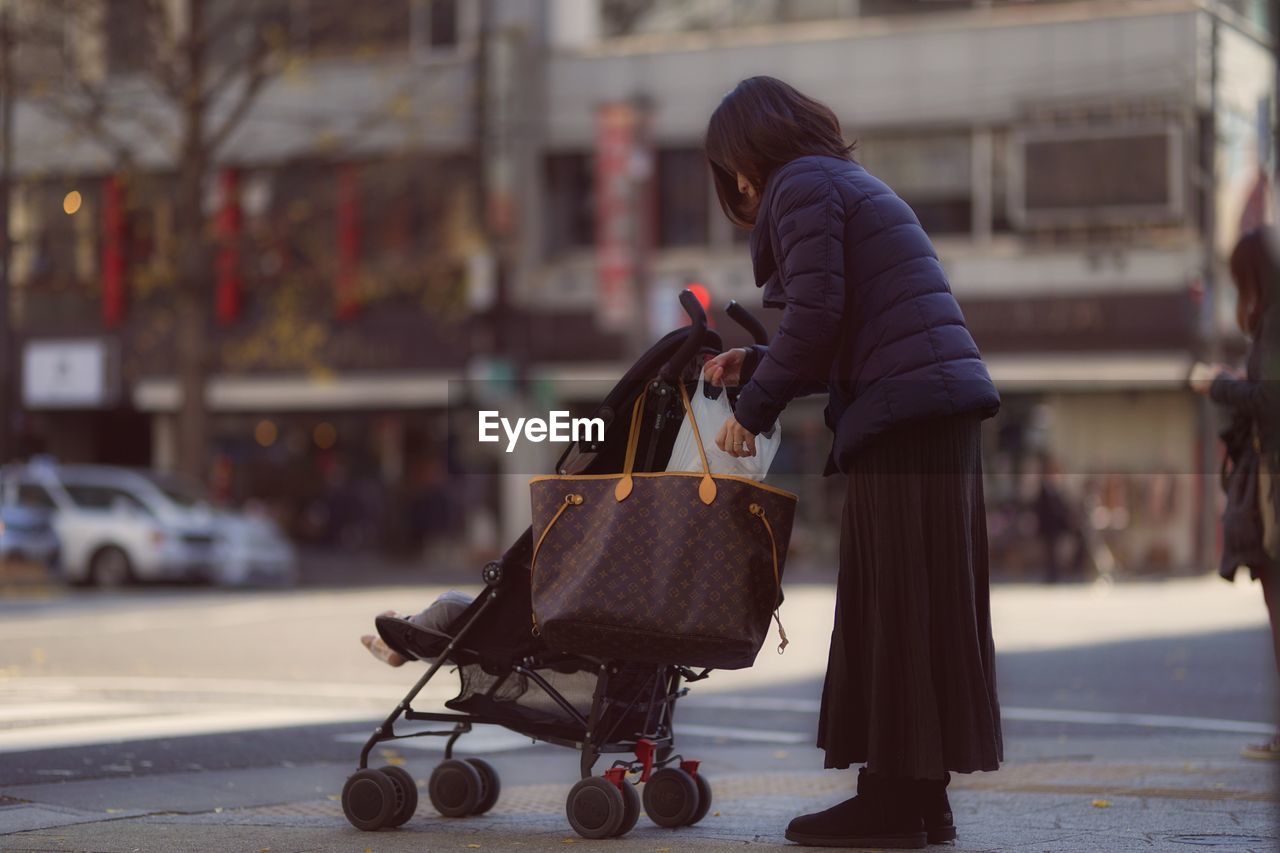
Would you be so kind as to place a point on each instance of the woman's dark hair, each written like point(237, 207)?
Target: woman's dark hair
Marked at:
point(761, 125)
point(1254, 271)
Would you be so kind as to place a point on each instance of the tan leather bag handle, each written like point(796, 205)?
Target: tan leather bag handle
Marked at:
point(706, 488)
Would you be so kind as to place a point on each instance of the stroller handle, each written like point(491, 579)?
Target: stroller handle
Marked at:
point(748, 321)
point(671, 371)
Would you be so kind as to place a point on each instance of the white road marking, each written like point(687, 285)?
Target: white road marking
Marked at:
point(1038, 715)
point(440, 688)
point(150, 727)
point(753, 703)
point(50, 712)
point(747, 735)
point(1150, 721)
point(44, 711)
point(481, 739)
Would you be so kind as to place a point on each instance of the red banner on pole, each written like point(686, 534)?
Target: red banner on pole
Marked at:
point(348, 241)
point(230, 225)
point(113, 253)
point(616, 220)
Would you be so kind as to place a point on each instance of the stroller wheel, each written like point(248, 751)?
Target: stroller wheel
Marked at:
point(671, 797)
point(455, 788)
point(369, 799)
point(491, 785)
point(631, 809)
point(704, 799)
point(595, 808)
point(406, 795)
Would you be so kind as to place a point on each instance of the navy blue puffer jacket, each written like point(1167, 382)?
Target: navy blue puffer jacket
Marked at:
point(868, 315)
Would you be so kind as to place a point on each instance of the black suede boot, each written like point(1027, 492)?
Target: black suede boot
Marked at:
point(886, 813)
point(935, 809)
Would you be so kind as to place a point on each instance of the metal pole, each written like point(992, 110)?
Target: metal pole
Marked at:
point(1273, 28)
point(1210, 350)
point(8, 399)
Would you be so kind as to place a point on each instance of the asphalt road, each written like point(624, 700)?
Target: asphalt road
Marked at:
point(156, 681)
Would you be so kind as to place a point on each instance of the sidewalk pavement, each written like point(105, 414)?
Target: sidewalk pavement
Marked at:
point(1055, 805)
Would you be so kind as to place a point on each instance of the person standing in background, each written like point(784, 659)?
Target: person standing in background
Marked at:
point(1056, 518)
point(1254, 400)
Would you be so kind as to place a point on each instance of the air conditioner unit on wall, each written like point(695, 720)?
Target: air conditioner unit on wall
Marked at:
point(1100, 174)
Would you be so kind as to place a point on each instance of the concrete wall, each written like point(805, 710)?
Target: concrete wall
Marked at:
point(888, 72)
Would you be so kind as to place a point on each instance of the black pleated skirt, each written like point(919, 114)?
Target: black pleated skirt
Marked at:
point(911, 684)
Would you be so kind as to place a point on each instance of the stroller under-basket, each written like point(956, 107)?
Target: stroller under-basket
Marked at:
point(510, 677)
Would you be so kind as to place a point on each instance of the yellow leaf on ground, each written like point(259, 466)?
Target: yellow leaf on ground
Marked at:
point(1102, 804)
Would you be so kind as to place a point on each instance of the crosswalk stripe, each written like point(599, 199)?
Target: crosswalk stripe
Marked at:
point(148, 727)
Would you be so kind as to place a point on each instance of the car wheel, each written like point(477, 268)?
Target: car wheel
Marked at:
point(110, 568)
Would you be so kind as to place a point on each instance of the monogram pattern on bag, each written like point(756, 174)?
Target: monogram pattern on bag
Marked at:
point(661, 576)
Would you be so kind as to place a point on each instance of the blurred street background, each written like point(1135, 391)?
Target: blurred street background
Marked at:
point(251, 250)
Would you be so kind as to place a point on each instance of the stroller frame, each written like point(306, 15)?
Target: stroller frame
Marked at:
point(598, 806)
point(653, 749)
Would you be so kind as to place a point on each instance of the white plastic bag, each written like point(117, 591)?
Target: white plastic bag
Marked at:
point(710, 416)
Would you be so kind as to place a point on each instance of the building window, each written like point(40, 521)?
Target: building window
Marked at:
point(297, 222)
point(569, 223)
point(930, 170)
point(44, 46)
point(907, 7)
point(683, 179)
point(1001, 223)
point(442, 21)
point(333, 27)
point(409, 209)
point(57, 226)
point(239, 31)
point(632, 17)
point(127, 26)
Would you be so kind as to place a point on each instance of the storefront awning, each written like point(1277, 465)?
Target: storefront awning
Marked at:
point(1091, 372)
point(302, 393)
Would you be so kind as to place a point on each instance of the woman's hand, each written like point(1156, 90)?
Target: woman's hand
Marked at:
point(726, 368)
point(735, 439)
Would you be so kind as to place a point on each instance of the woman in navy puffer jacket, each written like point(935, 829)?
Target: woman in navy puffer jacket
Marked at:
point(869, 319)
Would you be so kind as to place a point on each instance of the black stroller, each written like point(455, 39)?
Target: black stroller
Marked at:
point(512, 678)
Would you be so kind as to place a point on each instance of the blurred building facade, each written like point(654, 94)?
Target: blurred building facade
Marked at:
point(346, 228)
point(536, 196)
point(1082, 167)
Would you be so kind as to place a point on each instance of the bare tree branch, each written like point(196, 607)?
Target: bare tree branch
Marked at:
point(90, 123)
point(253, 86)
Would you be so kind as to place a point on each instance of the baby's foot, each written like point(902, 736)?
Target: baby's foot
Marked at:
point(380, 650)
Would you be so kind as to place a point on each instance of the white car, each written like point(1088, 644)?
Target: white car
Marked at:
point(254, 551)
point(118, 525)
